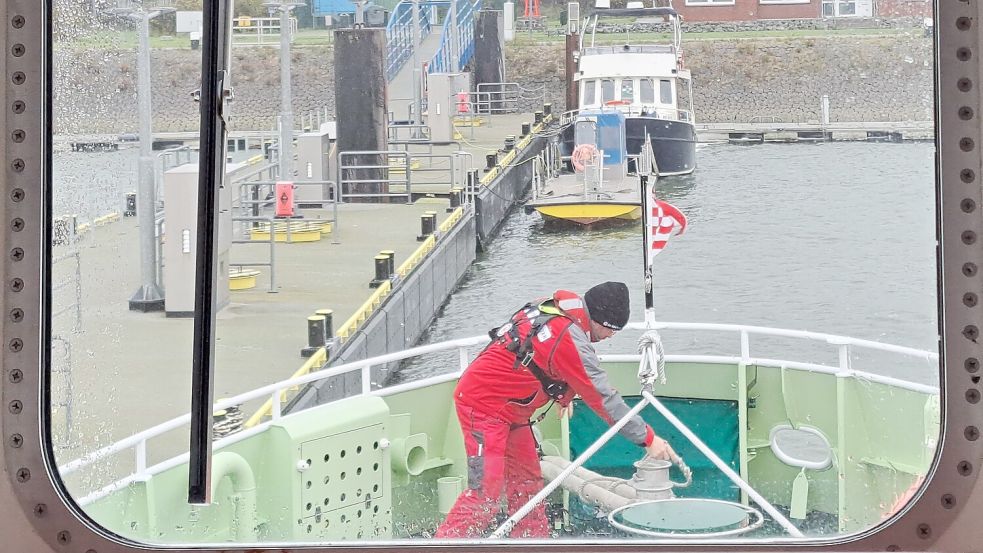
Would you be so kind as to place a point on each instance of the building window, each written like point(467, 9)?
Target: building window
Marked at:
point(784, 1)
point(709, 2)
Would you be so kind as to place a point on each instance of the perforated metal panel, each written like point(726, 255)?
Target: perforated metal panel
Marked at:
point(345, 489)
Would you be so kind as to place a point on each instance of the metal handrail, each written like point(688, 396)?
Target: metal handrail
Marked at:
point(386, 156)
point(457, 39)
point(273, 391)
point(400, 41)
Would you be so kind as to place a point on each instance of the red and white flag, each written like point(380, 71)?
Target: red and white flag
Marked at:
point(662, 220)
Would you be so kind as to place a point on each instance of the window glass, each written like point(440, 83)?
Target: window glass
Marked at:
point(607, 90)
point(647, 91)
point(665, 91)
point(627, 90)
point(348, 227)
point(590, 92)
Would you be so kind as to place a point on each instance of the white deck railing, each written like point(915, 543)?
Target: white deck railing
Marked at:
point(844, 345)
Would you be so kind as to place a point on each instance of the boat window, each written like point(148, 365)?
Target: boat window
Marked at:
point(607, 90)
point(796, 309)
point(647, 91)
point(627, 90)
point(590, 92)
point(665, 92)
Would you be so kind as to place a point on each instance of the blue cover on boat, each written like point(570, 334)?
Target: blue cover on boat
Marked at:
point(610, 134)
point(713, 421)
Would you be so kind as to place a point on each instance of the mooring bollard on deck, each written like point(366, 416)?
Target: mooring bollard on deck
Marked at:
point(455, 198)
point(538, 117)
point(491, 160)
point(547, 109)
point(428, 223)
point(328, 315)
point(509, 142)
point(382, 273)
point(315, 335)
point(526, 128)
point(391, 254)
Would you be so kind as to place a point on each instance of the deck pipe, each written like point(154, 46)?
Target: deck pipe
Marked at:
point(315, 335)
point(244, 519)
point(382, 273)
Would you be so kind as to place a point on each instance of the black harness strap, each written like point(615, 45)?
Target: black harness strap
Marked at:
point(523, 350)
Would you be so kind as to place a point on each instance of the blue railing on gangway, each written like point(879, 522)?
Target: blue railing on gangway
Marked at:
point(442, 61)
point(399, 34)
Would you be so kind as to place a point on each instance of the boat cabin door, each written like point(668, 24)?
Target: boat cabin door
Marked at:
point(599, 148)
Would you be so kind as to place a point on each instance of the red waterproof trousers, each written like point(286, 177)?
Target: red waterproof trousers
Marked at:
point(501, 457)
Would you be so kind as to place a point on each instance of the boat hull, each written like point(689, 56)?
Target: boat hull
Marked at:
point(588, 214)
point(673, 143)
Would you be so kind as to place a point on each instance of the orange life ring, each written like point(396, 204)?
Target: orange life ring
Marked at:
point(582, 155)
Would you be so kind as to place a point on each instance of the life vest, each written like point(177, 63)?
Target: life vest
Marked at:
point(563, 304)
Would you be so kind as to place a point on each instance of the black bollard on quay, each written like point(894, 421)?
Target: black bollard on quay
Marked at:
point(526, 129)
point(491, 160)
point(315, 335)
point(382, 273)
point(428, 224)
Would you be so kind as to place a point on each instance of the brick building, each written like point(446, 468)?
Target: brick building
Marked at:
point(751, 10)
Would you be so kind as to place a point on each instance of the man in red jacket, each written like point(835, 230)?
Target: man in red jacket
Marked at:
point(542, 354)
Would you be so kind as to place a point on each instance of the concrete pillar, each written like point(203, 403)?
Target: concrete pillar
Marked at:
point(489, 64)
point(361, 104)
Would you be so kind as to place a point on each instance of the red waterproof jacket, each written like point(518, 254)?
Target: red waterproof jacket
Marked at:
point(562, 348)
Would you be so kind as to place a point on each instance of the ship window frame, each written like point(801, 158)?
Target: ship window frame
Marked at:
point(642, 96)
point(48, 519)
point(621, 90)
point(589, 85)
point(665, 85)
point(604, 93)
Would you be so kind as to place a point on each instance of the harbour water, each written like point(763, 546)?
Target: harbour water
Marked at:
point(827, 237)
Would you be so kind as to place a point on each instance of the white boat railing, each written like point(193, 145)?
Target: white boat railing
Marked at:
point(138, 442)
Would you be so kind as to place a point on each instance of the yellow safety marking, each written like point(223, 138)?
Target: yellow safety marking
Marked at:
point(300, 231)
point(468, 121)
point(255, 159)
point(417, 256)
point(315, 361)
point(397, 165)
point(242, 280)
point(452, 220)
point(507, 159)
point(362, 313)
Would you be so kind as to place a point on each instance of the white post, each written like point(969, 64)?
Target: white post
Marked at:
point(148, 297)
point(366, 379)
point(462, 357)
point(141, 456)
point(825, 110)
point(286, 109)
point(275, 405)
point(509, 10)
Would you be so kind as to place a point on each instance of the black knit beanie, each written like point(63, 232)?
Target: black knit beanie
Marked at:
point(607, 304)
